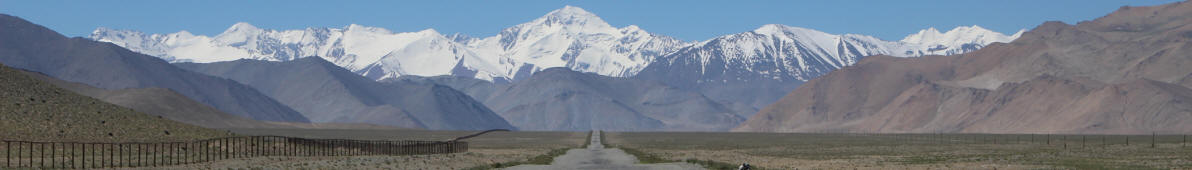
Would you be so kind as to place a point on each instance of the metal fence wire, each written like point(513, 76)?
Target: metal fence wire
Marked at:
point(31, 154)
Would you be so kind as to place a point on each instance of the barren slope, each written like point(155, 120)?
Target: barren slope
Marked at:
point(1123, 73)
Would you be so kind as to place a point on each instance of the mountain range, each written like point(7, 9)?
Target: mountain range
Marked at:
point(563, 99)
point(32, 47)
point(325, 92)
point(1124, 73)
point(743, 72)
point(569, 37)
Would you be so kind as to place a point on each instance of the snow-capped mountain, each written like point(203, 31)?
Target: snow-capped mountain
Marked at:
point(568, 37)
point(958, 40)
point(786, 53)
point(755, 68)
point(369, 51)
point(574, 38)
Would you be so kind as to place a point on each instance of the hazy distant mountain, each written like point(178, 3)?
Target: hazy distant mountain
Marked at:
point(157, 102)
point(325, 92)
point(561, 99)
point(1126, 72)
point(32, 47)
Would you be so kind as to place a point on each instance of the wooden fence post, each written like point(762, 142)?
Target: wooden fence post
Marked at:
point(42, 154)
point(72, 155)
point(53, 152)
point(1153, 139)
point(83, 160)
point(139, 157)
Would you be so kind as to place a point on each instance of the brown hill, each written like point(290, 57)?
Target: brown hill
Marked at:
point(39, 111)
point(1123, 73)
point(174, 106)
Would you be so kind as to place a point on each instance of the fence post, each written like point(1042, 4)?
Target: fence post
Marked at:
point(42, 154)
point(185, 149)
point(53, 154)
point(139, 157)
point(1153, 139)
point(72, 155)
point(7, 154)
point(93, 155)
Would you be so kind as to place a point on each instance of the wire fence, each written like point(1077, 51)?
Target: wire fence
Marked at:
point(29, 154)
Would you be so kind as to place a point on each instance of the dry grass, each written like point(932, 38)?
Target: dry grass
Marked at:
point(486, 150)
point(833, 151)
point(439, 161)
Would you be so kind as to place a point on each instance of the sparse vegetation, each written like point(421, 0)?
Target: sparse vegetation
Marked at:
point(544, 159)
point(489, 151)
point(33, 110)
point(920, 151)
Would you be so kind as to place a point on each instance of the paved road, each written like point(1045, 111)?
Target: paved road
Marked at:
point(598, 157)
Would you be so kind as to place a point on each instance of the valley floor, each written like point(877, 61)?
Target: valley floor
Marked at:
point(923, 151)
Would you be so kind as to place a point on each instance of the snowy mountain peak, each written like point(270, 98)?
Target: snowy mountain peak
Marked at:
point(970, 33)
point(958, 40)
point(361, 28)
point(242, 27)
point(778, 29)
point(570, 16)
point(571, 12)
point(430, 31)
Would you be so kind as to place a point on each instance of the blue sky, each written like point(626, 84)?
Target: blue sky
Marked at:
point(686, 20)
